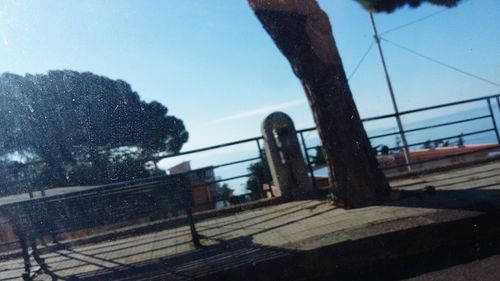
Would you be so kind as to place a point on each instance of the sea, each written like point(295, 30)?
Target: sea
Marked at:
point(449, 133)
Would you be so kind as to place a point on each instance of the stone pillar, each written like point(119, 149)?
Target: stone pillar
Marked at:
point(284, 156)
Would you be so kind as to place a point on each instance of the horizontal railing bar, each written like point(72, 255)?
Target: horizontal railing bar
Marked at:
point(430, 108)
point(222, 180)
point(432, 126)
point(88, 224)
point(444, 157)
point(446, 138)
point(312, 128)
point(102, 188)
point(236, 162)
point(447, 104)
point(9, 242)
point(120, 185)
point(132, 185)
point(205, 148)
point(374, 118)
point(441, 139)
point(306, 130)
point(448, 123)
point(207, 204)
point(126, 189)
point(385, 135)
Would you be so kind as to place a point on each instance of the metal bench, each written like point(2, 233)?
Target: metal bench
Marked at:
point(37, 219)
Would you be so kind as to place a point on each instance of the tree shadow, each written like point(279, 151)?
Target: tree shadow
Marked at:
point(468, 176)
point(478, 197)
point(222, 256)
point(241, 258)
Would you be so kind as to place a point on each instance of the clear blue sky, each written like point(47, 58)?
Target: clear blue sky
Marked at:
point(213, 66)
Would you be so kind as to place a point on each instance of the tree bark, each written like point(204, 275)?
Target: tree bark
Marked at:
point(302, 32)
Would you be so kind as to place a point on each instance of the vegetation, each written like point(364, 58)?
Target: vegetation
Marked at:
point(430, 144)
point(259, 175)
point(461, 141)
point(381, 149)
point(70, 128)
point(224, 193)
point(391, 5)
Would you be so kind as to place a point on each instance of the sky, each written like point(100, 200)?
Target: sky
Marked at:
point(213, 65)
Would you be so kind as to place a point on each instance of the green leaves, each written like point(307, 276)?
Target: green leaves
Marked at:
point(74, 122)
point(389, 6)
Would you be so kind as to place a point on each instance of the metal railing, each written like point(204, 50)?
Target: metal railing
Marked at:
point(486, 101)
point(258, 142)
point(260, 157)
point(135, 185)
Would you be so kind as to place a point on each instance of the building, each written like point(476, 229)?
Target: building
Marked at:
point(203, 185)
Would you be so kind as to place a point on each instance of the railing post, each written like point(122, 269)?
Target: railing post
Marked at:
point(265, 166)
point(26, 257)
point(308, 160)
point(188, 203)
point(38, 259)
point(498, 103)
point(493, 120)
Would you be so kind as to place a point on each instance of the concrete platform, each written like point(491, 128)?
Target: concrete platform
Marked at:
point(302, 240)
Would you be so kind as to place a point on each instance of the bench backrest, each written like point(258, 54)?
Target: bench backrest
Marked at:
point(99, 206)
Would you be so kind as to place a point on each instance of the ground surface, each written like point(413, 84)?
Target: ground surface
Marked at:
point(486, 269)
point(291, 240)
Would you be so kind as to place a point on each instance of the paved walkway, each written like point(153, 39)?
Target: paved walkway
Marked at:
point(253, 238)
point(479, 270)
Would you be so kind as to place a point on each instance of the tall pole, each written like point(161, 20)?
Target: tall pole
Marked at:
point(406, 151)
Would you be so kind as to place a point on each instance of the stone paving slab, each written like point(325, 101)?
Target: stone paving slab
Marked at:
point(287, 239)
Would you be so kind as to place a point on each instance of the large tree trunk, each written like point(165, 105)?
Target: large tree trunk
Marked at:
point(302, 32)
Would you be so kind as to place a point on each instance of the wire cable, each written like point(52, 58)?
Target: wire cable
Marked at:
point(413, 22)
point(441, 63)
point(418, 20)
point(361, 60)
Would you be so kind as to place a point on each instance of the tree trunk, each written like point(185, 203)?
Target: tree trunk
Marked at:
point(302, 32)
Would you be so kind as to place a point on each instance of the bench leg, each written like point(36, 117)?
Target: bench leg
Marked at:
point(26, 258)
point(26, 277)
point(188, 203)
point(41, 261)
point(194, 232)
point(54, 237)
